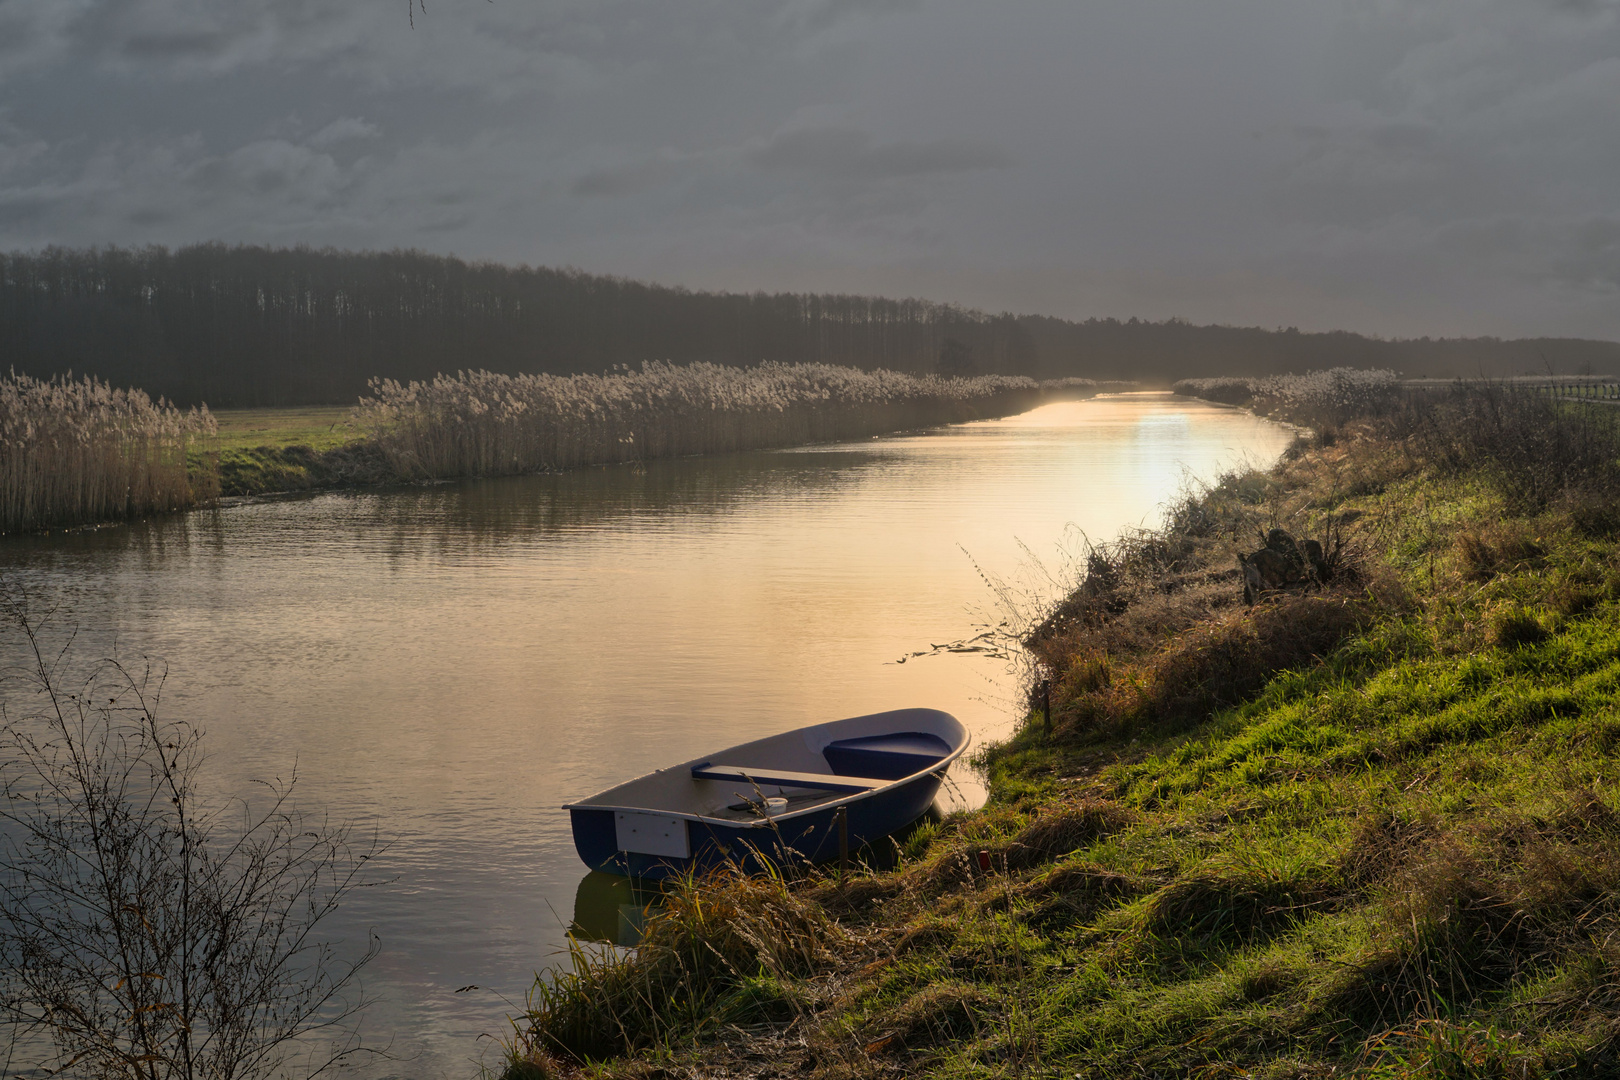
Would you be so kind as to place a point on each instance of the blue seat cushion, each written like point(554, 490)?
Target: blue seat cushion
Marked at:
point(885, 757)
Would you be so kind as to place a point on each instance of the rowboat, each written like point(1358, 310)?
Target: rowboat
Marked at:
point(801, 797)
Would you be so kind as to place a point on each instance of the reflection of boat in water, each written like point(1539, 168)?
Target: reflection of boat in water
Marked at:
point(804, 796)
point(612, 909)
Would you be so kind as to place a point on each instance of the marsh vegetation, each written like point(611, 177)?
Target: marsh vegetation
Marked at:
point(79, 450)
point(1364, 827)
point(483, 424)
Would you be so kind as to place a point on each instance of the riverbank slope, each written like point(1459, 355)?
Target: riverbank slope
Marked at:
point(1367, 827)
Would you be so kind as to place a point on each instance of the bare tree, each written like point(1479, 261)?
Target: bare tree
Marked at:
point(143, 934)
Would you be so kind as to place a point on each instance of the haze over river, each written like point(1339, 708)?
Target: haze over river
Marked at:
point(451, 663)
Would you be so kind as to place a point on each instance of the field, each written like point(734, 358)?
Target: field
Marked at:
point(319, 427)
point(260, 451)
point(1366, 826)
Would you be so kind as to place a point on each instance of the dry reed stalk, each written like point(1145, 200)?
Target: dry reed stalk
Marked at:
point(477, 423)
point(78, 450)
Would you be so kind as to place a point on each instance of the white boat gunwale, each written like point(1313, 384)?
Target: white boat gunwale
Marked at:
point(940, 767)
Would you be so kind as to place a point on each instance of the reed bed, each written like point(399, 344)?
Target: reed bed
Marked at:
point(1335, 382)
point(477, 423)
point(78, 450)
point(1317, 398)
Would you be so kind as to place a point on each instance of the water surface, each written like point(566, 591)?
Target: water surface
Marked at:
point(451, 663)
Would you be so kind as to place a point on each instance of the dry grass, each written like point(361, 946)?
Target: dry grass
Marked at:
point(1158, 658)
point(935, 1014)
point(731, 950)
point(1059, 829)
point(77, 450)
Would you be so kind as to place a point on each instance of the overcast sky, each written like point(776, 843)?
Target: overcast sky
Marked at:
point(1392, 166)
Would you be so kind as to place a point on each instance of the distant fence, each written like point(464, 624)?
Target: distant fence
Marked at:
point(1605, 392)
point(1593, 389)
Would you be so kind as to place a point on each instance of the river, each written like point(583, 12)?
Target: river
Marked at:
point(448, 664)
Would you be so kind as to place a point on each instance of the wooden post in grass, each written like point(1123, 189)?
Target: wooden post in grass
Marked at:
point(843, 842)
point(1046, 705)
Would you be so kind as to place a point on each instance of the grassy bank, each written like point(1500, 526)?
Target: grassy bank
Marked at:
point(1366, 828)
point(260, 451)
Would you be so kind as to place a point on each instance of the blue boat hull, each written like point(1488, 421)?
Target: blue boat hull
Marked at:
point(802, 839)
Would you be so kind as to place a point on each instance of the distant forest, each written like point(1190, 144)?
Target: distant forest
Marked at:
point(253, 326)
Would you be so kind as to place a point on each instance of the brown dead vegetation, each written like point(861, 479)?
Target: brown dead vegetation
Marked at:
point(1075, 891)
point(1121, 674)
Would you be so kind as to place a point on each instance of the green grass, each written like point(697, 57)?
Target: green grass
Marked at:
point(259, 451)
point(1394, 854)
point(317, 427)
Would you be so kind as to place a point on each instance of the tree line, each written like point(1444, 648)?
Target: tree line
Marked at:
point(256, 326)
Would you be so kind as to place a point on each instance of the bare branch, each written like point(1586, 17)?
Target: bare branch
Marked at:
point(143, 934)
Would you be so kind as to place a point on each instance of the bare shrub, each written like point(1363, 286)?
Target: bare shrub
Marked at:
point(77, 450)
point(1323, 399)
point(1534, 448)
point(141, 934)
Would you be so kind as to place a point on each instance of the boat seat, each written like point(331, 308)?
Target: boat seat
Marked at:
point(890, 756)
point(785, 778)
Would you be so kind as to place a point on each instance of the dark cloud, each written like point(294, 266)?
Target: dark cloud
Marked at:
point(821, 14)
point(174, 45)
point(845, 153)
point(1399, 166)
point(24, 208)
point(628, 179)
point(343, 130)
point(1588, 256)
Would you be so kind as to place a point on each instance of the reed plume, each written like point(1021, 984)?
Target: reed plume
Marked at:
point(78, 450)
point(476, 423)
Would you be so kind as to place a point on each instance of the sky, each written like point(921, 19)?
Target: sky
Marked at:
point(1396, 167)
